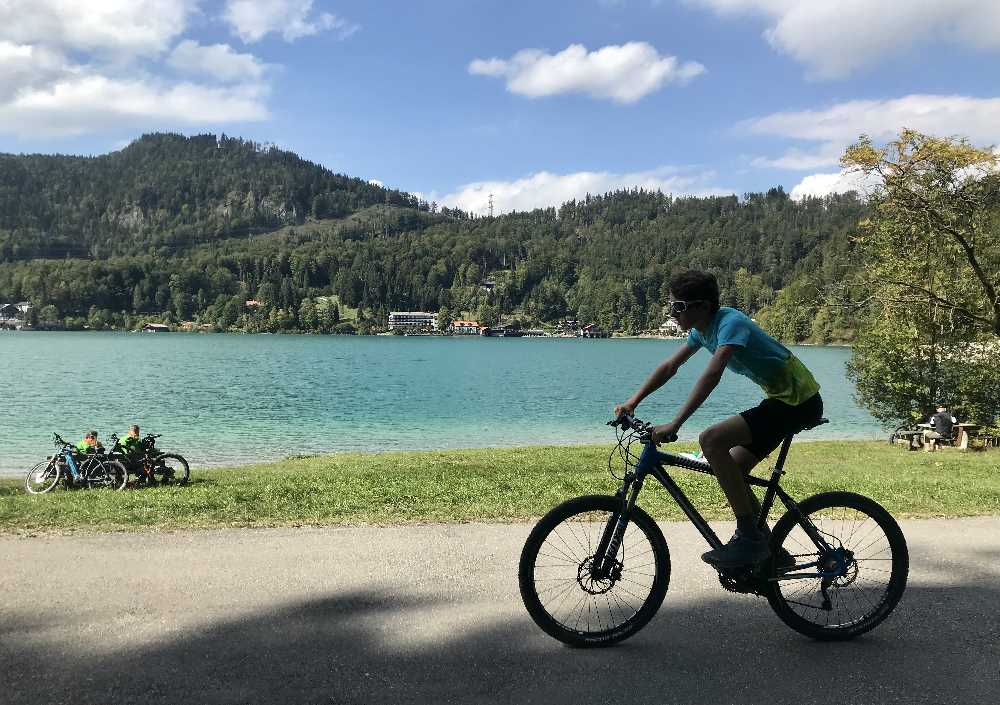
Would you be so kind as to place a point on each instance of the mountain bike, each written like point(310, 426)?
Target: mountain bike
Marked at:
point(595, 569)
point(90, 470)
point(149, 464)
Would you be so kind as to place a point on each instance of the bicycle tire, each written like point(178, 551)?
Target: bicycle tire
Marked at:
point(570, 558)
point(118, 472)
point(47, 480)
point(868, 526)
point(181, 470)
point(103, 473)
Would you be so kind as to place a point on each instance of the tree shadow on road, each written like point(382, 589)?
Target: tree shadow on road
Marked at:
point(939, 647)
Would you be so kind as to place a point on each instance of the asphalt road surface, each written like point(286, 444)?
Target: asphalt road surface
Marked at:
point(432, 614)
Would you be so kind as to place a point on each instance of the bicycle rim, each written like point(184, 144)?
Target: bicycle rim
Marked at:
point(870, 581)
point(560, 591)
point(42, 478)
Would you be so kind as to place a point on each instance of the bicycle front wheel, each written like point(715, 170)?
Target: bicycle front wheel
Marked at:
point(852, 585)
point(108, 474)
point(42, 478)
point(558, 586)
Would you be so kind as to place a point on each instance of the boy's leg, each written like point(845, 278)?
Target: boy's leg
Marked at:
point(718, 442)
point(747, 461)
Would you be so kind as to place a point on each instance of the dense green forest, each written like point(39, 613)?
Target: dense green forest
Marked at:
point(176, 228)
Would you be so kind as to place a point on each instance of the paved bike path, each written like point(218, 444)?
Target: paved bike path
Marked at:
point(431, 614)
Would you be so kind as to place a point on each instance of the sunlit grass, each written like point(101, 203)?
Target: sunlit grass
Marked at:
point(489, 485)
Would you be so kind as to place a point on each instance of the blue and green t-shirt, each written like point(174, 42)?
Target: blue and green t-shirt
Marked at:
point(757, 356)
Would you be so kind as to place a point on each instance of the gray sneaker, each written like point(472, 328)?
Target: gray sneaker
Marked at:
point(741, 550)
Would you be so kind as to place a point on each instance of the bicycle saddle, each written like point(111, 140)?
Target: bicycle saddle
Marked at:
point(818, 423)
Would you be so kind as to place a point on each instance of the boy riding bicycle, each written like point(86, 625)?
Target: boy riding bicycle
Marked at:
point(734, 446)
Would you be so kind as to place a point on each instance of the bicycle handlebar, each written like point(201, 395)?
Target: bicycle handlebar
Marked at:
point(643, 428)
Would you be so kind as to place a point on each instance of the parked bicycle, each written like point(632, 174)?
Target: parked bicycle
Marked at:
point(595, 569)
point(75, 470)
point(150, 465)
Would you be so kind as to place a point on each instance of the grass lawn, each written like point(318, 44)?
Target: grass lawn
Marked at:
point(491, 485)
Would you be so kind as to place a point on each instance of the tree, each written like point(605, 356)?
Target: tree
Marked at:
point(307, 314)
point(939, 194)
point(931, 270)
point(444, 318)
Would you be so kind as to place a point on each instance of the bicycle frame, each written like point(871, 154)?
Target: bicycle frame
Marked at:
point(71, 462)
point(653, 462)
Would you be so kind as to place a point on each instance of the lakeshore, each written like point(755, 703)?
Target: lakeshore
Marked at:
point(489, 485)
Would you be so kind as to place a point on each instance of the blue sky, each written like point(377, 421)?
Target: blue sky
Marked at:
point(534, 102)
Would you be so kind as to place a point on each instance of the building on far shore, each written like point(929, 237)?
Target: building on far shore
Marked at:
point(406, 321)
point(671, 329)
point(465, 327)
point(14, 315)
point(592, 331)
point(156, 328)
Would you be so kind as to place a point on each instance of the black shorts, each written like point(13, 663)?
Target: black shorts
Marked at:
point(772, 420)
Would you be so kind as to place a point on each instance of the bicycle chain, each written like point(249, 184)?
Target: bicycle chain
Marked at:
point(730, 585)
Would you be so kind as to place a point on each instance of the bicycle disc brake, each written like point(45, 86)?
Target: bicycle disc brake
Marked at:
point(597, 585)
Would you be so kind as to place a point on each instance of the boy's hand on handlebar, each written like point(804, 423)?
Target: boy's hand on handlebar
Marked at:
point(625, 408)
point(665, 433)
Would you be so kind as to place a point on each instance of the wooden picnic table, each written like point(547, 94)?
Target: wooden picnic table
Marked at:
point(914, 439)
point(962, 437)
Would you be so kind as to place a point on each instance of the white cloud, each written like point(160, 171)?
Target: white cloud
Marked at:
point(96, 103)
point(623, 73)
point(834, 39)
point(119, 27)
point(71, 68)
point(252, 20)
point(838, 182)
point(218, 60)
point(25, 65)
point(544, 189)
point(834, 128)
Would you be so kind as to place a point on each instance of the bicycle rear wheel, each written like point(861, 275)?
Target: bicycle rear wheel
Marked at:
point(172, 469)
point(559, 589)
point(866, 567)
point(42, 478)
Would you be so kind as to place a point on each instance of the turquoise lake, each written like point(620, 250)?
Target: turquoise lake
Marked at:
point(236, 399)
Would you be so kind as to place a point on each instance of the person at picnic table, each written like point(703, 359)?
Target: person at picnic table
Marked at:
point(89, 444)
point(943, 426)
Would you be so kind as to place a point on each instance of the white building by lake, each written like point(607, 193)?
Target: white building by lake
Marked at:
point(412, 320)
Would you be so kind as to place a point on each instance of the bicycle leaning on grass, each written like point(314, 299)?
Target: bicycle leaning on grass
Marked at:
point(75, 469)
point(595, 569)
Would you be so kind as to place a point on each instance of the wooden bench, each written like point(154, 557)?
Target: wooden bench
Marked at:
point(914, 439)
point(985, 441)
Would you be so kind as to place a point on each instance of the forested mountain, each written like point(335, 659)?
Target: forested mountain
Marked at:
point(166, 189)
point(190, 228)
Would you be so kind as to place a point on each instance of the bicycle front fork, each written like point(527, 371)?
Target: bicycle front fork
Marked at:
point(605, 557)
